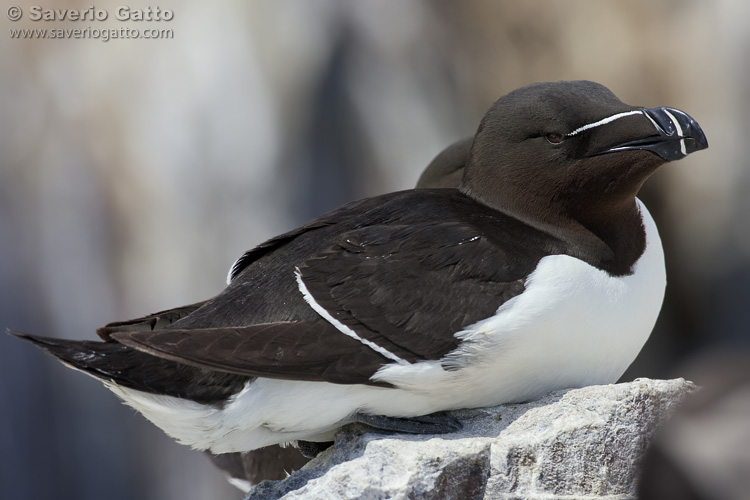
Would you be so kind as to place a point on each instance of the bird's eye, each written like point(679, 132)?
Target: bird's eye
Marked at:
point(555, 138)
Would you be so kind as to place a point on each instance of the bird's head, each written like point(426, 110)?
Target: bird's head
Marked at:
point(571, 150)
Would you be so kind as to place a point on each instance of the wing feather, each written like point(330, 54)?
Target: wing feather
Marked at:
point(406, 287)
point(289, 350)
point(153, 321)
point(410, 289)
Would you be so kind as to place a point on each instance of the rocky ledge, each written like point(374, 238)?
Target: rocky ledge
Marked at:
point(572, 444)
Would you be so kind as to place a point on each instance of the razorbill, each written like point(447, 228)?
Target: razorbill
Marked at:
point(541, 271)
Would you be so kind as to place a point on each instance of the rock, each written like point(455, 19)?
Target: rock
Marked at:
point(576, 443)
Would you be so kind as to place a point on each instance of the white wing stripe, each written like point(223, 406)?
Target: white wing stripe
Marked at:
point(339, 325)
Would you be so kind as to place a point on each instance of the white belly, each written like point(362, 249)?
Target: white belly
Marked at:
point(574, 325)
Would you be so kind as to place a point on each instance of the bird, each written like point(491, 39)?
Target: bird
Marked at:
point(540, 271)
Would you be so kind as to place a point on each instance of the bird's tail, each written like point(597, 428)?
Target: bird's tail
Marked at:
point(103, 360)
point(116, 363)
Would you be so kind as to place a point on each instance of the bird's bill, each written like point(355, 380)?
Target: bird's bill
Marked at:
point(678, 135)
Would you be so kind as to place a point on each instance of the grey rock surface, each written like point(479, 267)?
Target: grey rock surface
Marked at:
point(571, 444)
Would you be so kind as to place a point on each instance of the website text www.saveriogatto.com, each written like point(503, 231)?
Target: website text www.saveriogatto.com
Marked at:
point(39, 14)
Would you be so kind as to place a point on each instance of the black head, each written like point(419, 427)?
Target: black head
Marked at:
point(562, 151)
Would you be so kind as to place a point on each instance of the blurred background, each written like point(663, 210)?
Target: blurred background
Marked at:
point(133, 172)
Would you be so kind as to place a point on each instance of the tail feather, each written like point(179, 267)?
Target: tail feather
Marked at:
point(117, 363)
point(153, 321)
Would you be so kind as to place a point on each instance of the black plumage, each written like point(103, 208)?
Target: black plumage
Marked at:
point(118, 363)
point(374, 276)
point(476, 256)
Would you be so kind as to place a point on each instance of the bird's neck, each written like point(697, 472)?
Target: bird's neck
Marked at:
point(612, 239)
point(621, 231)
